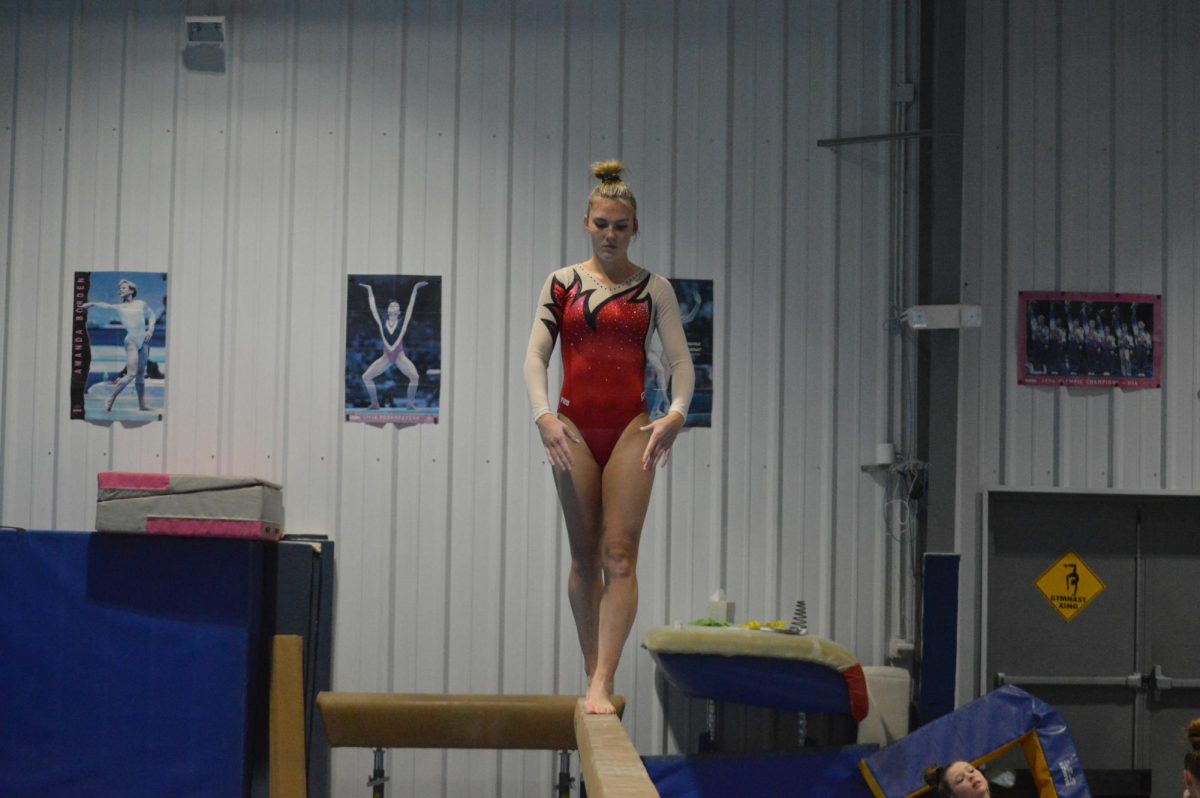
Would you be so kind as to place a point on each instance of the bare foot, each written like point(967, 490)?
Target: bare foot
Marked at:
point(598, 700)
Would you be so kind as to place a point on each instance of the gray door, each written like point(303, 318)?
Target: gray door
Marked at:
point(1170, 536)
point(1098, 668)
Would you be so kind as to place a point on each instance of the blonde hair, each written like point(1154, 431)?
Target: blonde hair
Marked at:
point(611, 185)
point(1191, 760)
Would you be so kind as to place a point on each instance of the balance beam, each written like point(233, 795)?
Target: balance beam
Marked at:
point(430, 720)
point(611, 766)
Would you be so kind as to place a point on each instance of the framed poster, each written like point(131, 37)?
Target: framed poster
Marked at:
point(393, 348)
point(119, 346)
point(695, 299)
point(1089, 339)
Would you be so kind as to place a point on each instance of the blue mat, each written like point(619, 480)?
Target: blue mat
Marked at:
point(980, 732)
point(810, 772)
point(784, 684)
point(129, 664)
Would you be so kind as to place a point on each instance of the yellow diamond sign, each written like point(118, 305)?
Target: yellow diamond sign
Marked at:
point(1069, 585)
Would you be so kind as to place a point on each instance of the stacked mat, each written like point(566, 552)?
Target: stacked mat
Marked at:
point(197, 506)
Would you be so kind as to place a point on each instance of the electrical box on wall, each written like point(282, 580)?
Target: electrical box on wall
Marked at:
point(205, 30)
point(205, 47)
point(942, 317)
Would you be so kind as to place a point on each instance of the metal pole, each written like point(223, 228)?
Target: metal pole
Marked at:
point(563, 786)
point(378, 777)
point(908, 134)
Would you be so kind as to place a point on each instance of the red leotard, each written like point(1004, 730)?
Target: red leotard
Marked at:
point(604, 354)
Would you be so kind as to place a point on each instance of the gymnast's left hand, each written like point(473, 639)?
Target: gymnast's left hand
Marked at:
point(662, 437)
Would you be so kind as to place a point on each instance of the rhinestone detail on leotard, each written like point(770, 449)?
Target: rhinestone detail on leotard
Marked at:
point(628, 281)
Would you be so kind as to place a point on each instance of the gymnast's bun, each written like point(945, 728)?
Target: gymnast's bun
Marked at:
point(935, 777)
point(611, 185)
point(608, 171)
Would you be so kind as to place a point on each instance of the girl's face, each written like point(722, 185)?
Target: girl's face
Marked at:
point(965, 781)
point(393, 308)
point(611, 226)
point(125, 289)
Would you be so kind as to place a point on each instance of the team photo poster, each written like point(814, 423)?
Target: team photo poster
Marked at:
point(1089, 339)
point(393, 348)
point(695, 299)
point(119, 346)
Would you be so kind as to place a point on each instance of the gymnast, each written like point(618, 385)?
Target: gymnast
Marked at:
point(957, 780)
point(392, 333)
point(1191, 761)
point(601, 445)
point(138, 320)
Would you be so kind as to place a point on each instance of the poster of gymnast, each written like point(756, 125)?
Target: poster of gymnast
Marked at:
point(393, 348)
point(1090, 339)
point(695, 299)
point(119, 346)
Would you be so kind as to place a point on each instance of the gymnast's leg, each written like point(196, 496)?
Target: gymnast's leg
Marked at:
point(410, 371)
point(579, 496)
point(368, 378)
point(131, 370)
point(625, 495)
point(139, 383)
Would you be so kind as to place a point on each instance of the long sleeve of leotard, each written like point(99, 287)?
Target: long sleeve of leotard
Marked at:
point(675, 347)
point(537, 357)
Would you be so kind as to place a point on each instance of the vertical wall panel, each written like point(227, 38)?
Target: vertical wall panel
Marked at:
point(148, 209)
point(33, 324)
point(453, 139)
point(739, 386)
point(46, 300)
point(764, 267)
point(809, 356)
point(1044, 127)
point(90, 234)
point(1138, 115)
point(873, 326)
point(1027, 442)
point(1181, 258)
point(252, 386)
point(199, 269)
point(314, 249)
point(10, 22)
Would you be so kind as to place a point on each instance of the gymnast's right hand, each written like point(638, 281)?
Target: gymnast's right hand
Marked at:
point(555, 435)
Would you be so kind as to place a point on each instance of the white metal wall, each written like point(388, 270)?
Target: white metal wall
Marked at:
point(1081, 160)
point(454, 138)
